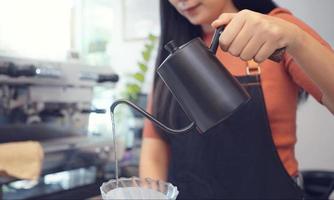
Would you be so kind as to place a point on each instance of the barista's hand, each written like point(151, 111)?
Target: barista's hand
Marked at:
point(250, 35)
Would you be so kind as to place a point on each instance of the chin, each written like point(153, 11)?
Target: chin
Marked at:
point(196, 20)
point(199, 20)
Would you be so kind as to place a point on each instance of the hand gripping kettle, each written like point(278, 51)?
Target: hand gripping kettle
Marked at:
point(206, 91)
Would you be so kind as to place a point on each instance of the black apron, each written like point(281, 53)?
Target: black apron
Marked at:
point(235, 160)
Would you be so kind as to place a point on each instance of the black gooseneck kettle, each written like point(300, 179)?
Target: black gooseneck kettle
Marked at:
point(205, 89)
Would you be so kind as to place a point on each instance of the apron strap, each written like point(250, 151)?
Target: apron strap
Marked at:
point(253, 68)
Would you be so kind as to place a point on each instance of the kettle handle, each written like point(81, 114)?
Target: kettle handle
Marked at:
point(150, 117)
point(215, 39)
point(277, 56)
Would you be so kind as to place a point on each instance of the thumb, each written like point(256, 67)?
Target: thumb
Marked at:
point(223, 19)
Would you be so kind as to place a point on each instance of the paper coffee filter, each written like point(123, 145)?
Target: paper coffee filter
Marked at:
point(136, 188)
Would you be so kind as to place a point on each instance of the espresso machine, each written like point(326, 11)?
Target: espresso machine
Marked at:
point(50, 102)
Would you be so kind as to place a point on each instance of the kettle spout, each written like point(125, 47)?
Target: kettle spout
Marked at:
point(151, 118)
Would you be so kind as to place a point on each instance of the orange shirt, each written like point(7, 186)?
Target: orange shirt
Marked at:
point(280, 84)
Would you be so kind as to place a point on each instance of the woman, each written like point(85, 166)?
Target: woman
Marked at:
point(251, 154)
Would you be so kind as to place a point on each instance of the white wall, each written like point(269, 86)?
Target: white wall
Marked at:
point(126, 53)
point(315, 148)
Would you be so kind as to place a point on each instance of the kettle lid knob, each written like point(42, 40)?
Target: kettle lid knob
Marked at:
point(171, 47)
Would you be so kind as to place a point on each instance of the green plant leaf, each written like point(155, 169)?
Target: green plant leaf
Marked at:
point(139, 77)
point(132, 89)
point(150, 47)
point(152, 37)
point(147, 47)
point(146, 55)
point(143, 67)
point(136, 80)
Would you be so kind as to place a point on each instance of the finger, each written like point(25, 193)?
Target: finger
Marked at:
point(230, 32)
point(241, 40)
point(223, 19)
point(252, 47)
point(265, 51)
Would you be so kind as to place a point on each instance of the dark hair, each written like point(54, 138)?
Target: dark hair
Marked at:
point(176, 27)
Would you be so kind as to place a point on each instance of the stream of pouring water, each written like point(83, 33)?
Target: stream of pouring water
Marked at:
point(112, 115)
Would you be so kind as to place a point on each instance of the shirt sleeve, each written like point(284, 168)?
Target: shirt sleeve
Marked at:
point(149, 130)
point(295, 71)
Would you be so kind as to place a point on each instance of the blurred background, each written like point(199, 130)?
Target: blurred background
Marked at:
point(62, 64)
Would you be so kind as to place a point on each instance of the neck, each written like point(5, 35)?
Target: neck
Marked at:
point(228, 8)
point(207, 29)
